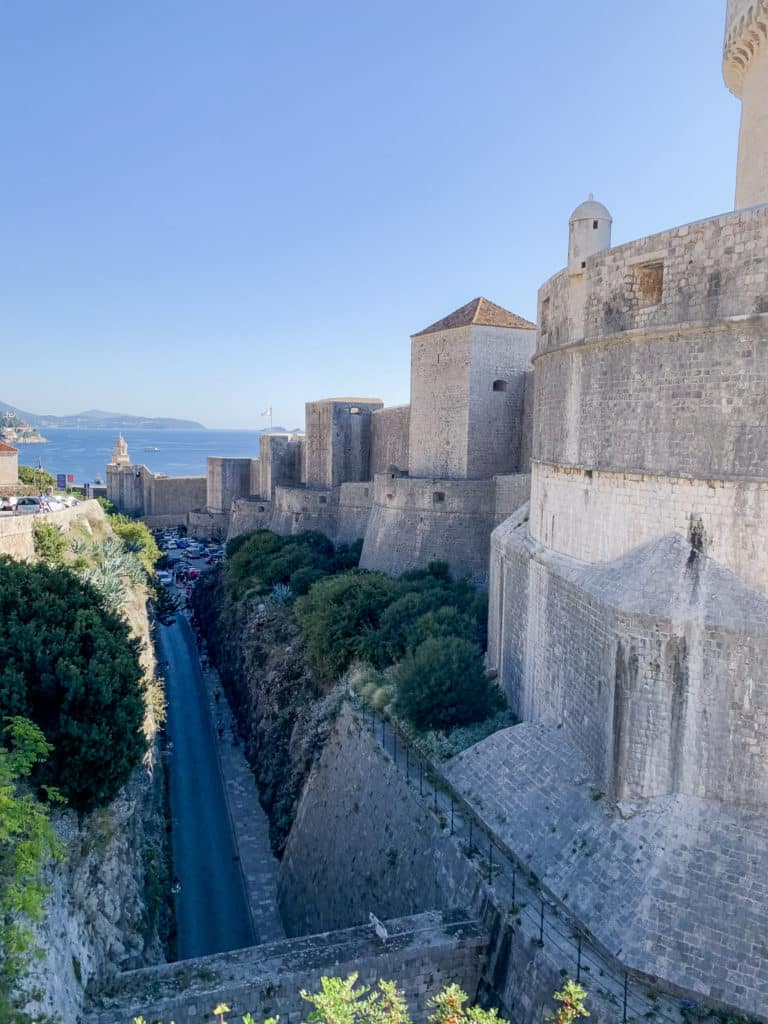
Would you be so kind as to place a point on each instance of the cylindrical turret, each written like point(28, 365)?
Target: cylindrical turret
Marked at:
point(589, 232)
point(745, 69)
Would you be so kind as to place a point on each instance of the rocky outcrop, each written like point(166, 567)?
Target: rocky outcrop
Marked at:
point(106, 903)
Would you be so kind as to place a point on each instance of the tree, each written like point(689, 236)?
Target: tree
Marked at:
point(442, 683)
point(36, 478)
point(337, 613)
point(571, 997)
point(70, 665)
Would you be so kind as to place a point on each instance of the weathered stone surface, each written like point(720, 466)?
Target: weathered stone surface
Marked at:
point(422, 953)
point(677, 888)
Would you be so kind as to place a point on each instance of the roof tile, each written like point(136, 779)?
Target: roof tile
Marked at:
point(482, 312)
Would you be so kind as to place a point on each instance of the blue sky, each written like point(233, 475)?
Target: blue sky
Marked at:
point(208, 207)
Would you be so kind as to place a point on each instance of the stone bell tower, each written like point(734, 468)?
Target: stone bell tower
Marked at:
point(745, 68)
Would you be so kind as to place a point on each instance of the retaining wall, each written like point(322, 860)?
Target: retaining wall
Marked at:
point(422, 954)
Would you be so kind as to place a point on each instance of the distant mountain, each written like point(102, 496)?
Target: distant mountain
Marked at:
point(98, 419)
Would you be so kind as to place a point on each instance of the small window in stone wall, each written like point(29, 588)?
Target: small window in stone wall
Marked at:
point(499, 385)
point(323, 500)
point(649, 282)
point(261, 508)
point(366, 491)
point(438, 497)
point(594, 225)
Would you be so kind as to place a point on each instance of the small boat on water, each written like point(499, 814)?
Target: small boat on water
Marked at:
point(151, 449)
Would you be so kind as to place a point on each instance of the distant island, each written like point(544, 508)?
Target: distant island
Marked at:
point(95, 419)
point(14, 430)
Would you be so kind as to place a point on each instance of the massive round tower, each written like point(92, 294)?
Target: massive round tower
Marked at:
point(745, 67)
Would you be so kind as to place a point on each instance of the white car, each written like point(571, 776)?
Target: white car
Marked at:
point(164, 577)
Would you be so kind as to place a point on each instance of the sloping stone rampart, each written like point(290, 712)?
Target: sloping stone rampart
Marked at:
point(651, 665)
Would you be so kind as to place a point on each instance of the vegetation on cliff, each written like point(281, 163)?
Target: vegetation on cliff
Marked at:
point(76, 668)
point(69, 664)
point(27, 842)
point(286, 618)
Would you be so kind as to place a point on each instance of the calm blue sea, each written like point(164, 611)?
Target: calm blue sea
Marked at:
point(85, 453)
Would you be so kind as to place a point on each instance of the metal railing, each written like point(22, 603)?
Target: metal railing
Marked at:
point(636, 996)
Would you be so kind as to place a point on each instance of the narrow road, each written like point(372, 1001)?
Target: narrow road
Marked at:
point(211, 909)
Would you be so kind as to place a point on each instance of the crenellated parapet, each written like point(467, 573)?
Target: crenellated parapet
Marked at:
point(746, 30)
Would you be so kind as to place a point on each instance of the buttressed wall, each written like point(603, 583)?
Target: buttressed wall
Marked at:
point(745, 68)
point(629, 605)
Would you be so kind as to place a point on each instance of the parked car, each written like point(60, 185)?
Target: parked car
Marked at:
point(192, 574)
point(52, 505)
point(182, 542)
point(8, 502)
point(28, 506)
point(165, 577)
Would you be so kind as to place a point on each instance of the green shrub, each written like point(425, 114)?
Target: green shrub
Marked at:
point(138, 538)
point(49, 542)
point(442, 684)
point(259, 561)
point(36, 478)
point(336, 615)
point(70, 665)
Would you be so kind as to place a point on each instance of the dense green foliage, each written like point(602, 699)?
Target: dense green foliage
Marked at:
point(27, 842)
point(259, 561)
point(339, 614)
point(37, 478)
point(428, 625)
point(442, 683)
point(138, 539)
point(69, 664)
point(49, 541)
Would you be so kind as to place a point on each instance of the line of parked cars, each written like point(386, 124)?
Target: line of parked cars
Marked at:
point(182, 571)
point(32, 504)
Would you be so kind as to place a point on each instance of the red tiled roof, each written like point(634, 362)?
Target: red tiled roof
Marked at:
point(479, 311)
point(5, 449)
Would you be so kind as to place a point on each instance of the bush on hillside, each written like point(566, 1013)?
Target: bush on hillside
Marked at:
point(49, 542)
point(259, 561)
point(70, 665)
point(442, 683)
point(138, 539)
point(336, 616)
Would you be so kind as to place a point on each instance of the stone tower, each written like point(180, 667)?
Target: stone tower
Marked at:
point(745, 68)
point(589, 231)
point(120, 456)
point(467, 390)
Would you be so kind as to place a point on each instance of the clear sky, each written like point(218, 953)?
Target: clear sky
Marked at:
point(209, 206)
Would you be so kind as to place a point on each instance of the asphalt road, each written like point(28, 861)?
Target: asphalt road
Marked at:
point(211, 909)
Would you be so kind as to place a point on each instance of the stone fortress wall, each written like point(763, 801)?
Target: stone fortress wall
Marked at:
point(628, 601)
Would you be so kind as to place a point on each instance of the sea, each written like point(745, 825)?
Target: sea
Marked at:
point(84, 453)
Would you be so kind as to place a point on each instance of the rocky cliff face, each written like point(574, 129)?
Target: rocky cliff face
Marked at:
point(106, 901)
point(284, 715)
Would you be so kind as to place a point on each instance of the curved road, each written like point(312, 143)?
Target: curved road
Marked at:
point(211, 910)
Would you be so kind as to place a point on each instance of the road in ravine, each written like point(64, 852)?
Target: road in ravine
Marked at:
point(211, 910)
